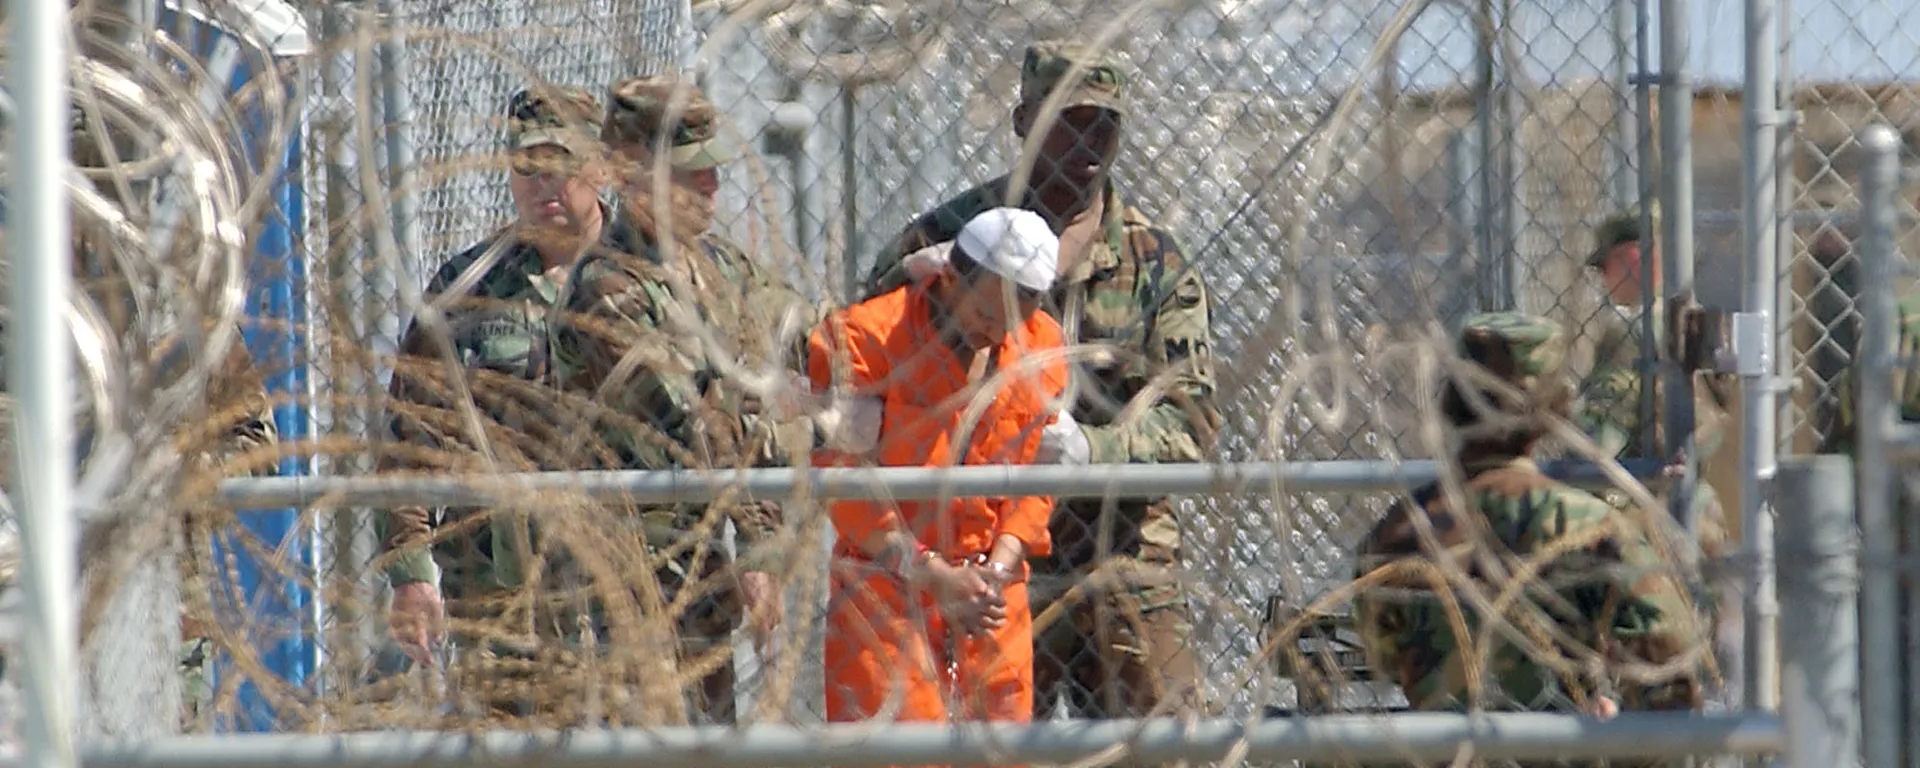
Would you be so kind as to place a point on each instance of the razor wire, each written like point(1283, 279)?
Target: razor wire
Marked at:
point(1328, 243)
point(170, 182)
point(1314, 236)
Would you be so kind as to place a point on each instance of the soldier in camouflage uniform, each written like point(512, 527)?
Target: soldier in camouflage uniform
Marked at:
point(1610, 408)
point(495, 298)
point(1123, 649)
point(1616, 599)
point(1906, 383)
point(664, 332)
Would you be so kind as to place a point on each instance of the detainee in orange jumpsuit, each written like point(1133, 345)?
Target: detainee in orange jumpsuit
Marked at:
point(929, 619)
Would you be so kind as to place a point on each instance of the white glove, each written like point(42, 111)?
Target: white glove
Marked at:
point(928, 261)
point(851, 424)
point(1063, 442)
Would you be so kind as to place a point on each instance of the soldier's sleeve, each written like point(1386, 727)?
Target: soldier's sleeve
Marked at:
point(939, 225)
point(777, 441)
point(887, 272)
point(1632, 596)
point(1609, 409)
point(1400, 637)
point(406, 531)
point(1180, 427)
point(1840, 428)
point(773, 441)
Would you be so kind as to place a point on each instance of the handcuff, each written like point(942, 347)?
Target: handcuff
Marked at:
point(901, 560)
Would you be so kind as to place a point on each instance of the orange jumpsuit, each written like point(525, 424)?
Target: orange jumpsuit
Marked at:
point(887, 655)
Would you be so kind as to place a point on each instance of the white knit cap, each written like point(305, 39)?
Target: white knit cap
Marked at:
point(1015, 244)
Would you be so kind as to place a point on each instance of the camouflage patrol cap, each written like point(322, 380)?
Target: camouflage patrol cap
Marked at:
point(1523, 350)
point(568, 118)
point(1622, 227)
point(637, 112)
point(1101, 82)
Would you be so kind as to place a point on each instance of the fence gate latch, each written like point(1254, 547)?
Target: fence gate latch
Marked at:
point(1753, 343)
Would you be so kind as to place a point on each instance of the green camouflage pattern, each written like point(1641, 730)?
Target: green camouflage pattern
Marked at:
point(638, 109)
point(619, 346)
point(1102, 79)
point(498, 332)
point(1622, 227)
point(1607, 597)
point(1522, 349)
point(568, 118)
point(1609, 412)
point(1906, 382)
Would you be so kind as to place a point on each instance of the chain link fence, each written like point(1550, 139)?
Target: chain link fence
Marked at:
point(1347, 178)
point(1343, 176)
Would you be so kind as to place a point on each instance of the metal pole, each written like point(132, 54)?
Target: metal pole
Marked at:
point(1463, 203)
point(1819, 629)
point(1676, 236)
point(1513, 210)
point(1755, 332)
point(397, 103)
point(699, 486)
point(1879, 584)
point(39, 247)
point(1491, 289)
point(1647, 363)
point(1626, 129)
point(850, 190)
point(1425, 736)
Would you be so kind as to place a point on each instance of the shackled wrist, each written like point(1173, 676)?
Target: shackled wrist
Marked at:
point(908, 562)
point(999, 575)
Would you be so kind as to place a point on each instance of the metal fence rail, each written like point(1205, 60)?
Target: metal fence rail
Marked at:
point(679, 486)
point(1421, 736)
point(1526, 106)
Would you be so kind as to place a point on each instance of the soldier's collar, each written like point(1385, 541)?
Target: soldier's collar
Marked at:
point(1113, 221)
point(617, 233)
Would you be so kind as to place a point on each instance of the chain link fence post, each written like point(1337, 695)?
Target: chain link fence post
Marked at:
point(1819, 617)
point(1881, 703)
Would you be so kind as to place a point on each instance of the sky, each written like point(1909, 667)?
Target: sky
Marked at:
point(1832, 40)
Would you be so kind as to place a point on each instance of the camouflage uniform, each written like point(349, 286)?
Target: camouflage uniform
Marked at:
point(681, 405)
point(1125, 650)
point(1610, 409)
point(1610, 412)
point(1906, 382)
point(498, 330)
point(1613, 598)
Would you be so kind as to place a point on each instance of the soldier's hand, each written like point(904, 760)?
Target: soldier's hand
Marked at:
point(417, 619)
point(764, 604)
point(1603, 708)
